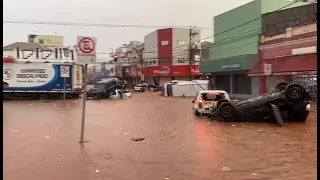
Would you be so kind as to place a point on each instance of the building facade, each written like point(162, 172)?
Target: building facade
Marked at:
point(166, 55)
point(235, 50)
point(288, 47)
point(129, 65)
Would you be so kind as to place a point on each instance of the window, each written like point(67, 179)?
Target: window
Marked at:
point(241, 84)
point(154, 62)
point(293, 21)
point(181, 42)
point(223, 82)
point(164, 61)
point(181, 60)
point(164, 43)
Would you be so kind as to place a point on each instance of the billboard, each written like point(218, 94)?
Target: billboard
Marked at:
point(35, 77)
point(49, 40)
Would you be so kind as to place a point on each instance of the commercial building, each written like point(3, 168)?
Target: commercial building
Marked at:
point(166, 55)
point(288, 46)
point(235, 50)
point(129, 65)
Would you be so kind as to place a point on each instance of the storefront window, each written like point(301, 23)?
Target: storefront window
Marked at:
point(223, 82)
point(241, 84)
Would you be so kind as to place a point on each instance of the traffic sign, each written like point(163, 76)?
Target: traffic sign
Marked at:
point(64, 71)
point(267, 69)
point(86, 53)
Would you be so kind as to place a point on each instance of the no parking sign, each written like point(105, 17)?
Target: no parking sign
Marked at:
point(64, 71)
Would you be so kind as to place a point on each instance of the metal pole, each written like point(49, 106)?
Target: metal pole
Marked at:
point(190, 54)
point(64, 89)
point(84, 98)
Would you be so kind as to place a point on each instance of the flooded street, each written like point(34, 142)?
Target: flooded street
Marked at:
point(41, 143)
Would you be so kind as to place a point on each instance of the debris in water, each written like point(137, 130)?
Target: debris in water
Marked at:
point(166, 178)
point(298, 134)
point(54, 105)
point(56, 129)
point(121, 128)
point(225, 169)
point(70, 132)
point(233, 125)
point(127, 133)
point(30, 104)
point(138, 139)
point(70, 118)
point(47, 137)
point(75, 101)
point(96, 171)
point(254, 174)
point(15, 130)
point(259, 130)
point(208, 123)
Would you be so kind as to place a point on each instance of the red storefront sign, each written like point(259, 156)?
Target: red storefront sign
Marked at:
point(172, 70)
point(135, 72)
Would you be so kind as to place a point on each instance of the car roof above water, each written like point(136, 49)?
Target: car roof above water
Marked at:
point(106, 80)
point(212, 91)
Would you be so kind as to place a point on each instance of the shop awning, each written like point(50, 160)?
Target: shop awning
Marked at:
point(289, 65)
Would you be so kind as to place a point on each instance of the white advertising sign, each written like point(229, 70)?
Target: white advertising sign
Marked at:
point(267, 69)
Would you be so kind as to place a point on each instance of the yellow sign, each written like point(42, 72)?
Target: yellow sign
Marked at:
point(48, 40)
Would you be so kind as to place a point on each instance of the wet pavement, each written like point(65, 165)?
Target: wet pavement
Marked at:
point(41, 142)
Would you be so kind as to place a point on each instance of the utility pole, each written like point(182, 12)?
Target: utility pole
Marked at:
point(191, 55)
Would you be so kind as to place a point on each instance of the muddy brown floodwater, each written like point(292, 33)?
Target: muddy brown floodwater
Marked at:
point(41, 143)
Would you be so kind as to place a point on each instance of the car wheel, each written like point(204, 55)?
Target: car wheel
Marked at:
point(196, 113)
point(226, 110)
point(44, 97)
point(281, 86)
point(221, 101)
point(294, 92)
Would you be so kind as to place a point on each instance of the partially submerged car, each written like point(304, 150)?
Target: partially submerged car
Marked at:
point(120, 94)
point(288, 102)
point(206, 100)
point(104, 88)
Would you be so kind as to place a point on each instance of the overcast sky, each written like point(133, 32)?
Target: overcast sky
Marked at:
point(147, 12)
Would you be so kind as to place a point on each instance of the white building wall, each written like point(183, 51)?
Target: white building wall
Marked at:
point(150, 52)
point(43, 56)
point(180, 44)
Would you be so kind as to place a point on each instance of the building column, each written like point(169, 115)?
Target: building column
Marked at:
point(231, 83)
point(262, 84)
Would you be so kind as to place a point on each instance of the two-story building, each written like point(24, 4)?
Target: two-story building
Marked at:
point(166, 55)
point(288, 46)
point(235, 50)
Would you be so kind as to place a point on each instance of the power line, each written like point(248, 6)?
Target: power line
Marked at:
point(246, 33)
point(96, 25)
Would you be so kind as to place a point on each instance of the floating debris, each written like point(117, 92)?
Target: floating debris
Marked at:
point(259, 130)
point(56, 129)
point(138, 139)
point(75, 101)
point(15, 130)
point(166, 178)
point(233, 125)
point(70, 132)
point(127, 133)
point(225, 169)
point(96, 171)
point(47, 137)
point(208, 123)
point(30, 104)
point(254, 174)
point(54, 105)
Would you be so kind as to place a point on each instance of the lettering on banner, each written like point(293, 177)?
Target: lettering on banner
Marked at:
point(162, 70)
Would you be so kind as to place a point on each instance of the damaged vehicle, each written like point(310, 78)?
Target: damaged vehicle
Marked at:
point(289, 102)
point(104, 88)
point(206, 100)
point(120, 94)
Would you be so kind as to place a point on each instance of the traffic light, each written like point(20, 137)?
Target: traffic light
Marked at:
point(115, 57)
